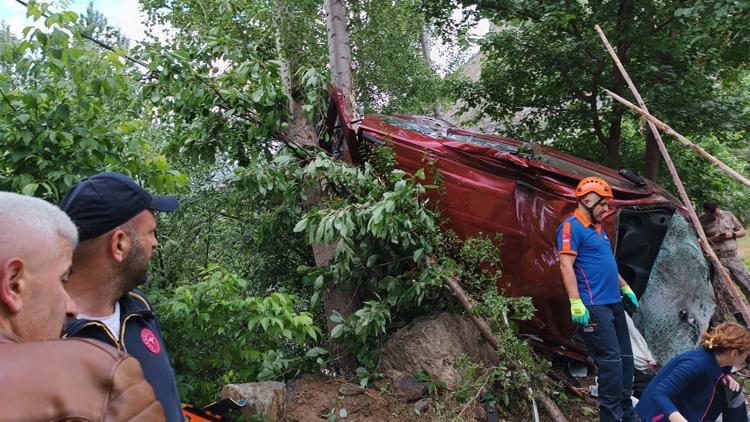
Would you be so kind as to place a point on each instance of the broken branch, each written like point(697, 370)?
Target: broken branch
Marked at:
point(702, 240)
point(671, 132)
point(484, 329)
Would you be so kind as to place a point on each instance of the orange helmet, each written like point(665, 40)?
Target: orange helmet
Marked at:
point(595, 185)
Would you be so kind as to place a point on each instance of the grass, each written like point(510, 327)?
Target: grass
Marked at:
point(744, 244)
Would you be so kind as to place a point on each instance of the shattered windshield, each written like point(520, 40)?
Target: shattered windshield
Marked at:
point(678, 301)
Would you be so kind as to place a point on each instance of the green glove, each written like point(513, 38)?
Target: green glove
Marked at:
point(578, 313)
point(628, 293)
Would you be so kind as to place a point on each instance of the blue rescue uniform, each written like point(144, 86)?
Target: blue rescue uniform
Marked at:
point(606, 336)
point(595, 266)
point(140, 336)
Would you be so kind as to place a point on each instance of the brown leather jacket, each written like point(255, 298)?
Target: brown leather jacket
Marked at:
point(72, 379)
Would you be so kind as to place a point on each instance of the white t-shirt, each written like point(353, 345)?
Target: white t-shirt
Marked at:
point(111, 321)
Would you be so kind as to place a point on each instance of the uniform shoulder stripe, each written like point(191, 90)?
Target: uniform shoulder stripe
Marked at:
point(141, 298)
point(565, 240)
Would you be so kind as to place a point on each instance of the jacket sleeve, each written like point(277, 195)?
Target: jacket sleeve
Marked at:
point(684, 374)
point(131, 396)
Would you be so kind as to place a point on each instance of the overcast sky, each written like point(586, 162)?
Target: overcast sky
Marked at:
point(124, 14)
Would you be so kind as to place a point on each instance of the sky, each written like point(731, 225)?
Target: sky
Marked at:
point(124, 14)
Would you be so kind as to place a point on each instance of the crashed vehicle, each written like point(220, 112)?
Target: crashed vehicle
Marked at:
point(524, 191)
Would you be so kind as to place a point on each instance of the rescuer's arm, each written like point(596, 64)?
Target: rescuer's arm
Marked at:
point(578, 312)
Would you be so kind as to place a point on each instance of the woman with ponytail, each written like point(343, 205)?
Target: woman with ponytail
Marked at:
point(697, 385)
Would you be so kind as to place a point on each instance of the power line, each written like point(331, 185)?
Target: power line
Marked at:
point(254, 119)
point(97, 42)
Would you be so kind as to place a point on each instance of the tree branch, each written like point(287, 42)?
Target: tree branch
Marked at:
point(8, 101)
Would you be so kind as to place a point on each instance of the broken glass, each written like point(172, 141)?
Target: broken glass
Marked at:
point(678, 301)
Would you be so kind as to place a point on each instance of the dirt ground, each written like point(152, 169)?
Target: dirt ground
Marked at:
point(313, 399)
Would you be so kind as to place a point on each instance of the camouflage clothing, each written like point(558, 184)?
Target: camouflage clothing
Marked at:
point(727, 251)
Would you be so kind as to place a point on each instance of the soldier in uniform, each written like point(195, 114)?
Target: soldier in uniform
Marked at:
point(722, 230)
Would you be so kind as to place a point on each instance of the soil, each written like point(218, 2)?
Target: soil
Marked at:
point(313, 399)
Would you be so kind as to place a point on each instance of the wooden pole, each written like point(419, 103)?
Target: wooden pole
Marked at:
point(671, 132)
point(702, 240)
point(484, 329)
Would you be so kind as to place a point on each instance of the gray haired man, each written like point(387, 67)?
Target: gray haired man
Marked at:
point(36, 249)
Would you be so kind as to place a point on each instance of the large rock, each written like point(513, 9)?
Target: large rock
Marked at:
point(264, 399)
point(432, 343)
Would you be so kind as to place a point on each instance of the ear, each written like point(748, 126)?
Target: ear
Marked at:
point(118, 245)
point(12, 283)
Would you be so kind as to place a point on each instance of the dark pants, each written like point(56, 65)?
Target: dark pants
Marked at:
point(728, 404)
point(608, 343)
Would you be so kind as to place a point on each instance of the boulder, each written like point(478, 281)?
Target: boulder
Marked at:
point(264, 399)
point(432, 343)
point(404, 386)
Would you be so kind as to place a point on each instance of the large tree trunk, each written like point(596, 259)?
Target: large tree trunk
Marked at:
point(652, 157)
point(339, 50)
point(342, 299)
point(300, 131)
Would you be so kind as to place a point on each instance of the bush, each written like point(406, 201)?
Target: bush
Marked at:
point(219, 334)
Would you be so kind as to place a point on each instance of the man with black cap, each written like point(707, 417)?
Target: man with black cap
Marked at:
point(117, 229)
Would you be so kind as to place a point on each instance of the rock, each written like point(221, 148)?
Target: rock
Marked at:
point(351, 390)
point(404, 386)
point(421, 406)
point(265, 399)
point(431, 344)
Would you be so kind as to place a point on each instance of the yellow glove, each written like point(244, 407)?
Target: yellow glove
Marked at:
point(578, 313)
point(628, 293)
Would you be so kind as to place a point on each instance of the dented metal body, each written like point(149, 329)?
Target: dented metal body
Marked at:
point(523, 191)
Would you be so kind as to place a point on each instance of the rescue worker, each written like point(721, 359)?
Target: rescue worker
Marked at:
point(697, 385)
point(117, 229)
point(722, 230)
point(43, 378)
point(594, 288)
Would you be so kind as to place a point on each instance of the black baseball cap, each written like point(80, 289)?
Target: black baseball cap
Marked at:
point(102, 202)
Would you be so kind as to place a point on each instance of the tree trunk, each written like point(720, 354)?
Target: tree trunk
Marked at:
point(613, 141)
point(339, 50)
point(652, 157)
point(342, 299)
point(302, 132)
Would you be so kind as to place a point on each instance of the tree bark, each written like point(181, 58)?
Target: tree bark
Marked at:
point(339, 49)
point(342, 299)
point(652, 157)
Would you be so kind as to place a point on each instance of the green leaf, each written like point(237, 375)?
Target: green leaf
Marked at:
point(30, 189)
point(301, 225)
point(337, 331)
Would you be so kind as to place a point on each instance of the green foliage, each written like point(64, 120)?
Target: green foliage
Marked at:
point(69, 111)
point(547, 60)
point(434, 387)
point(224, 335)
point(384, 237)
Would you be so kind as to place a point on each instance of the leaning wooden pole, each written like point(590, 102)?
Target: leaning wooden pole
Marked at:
point(484, 329)
point(702, 240)
point(671, 132)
